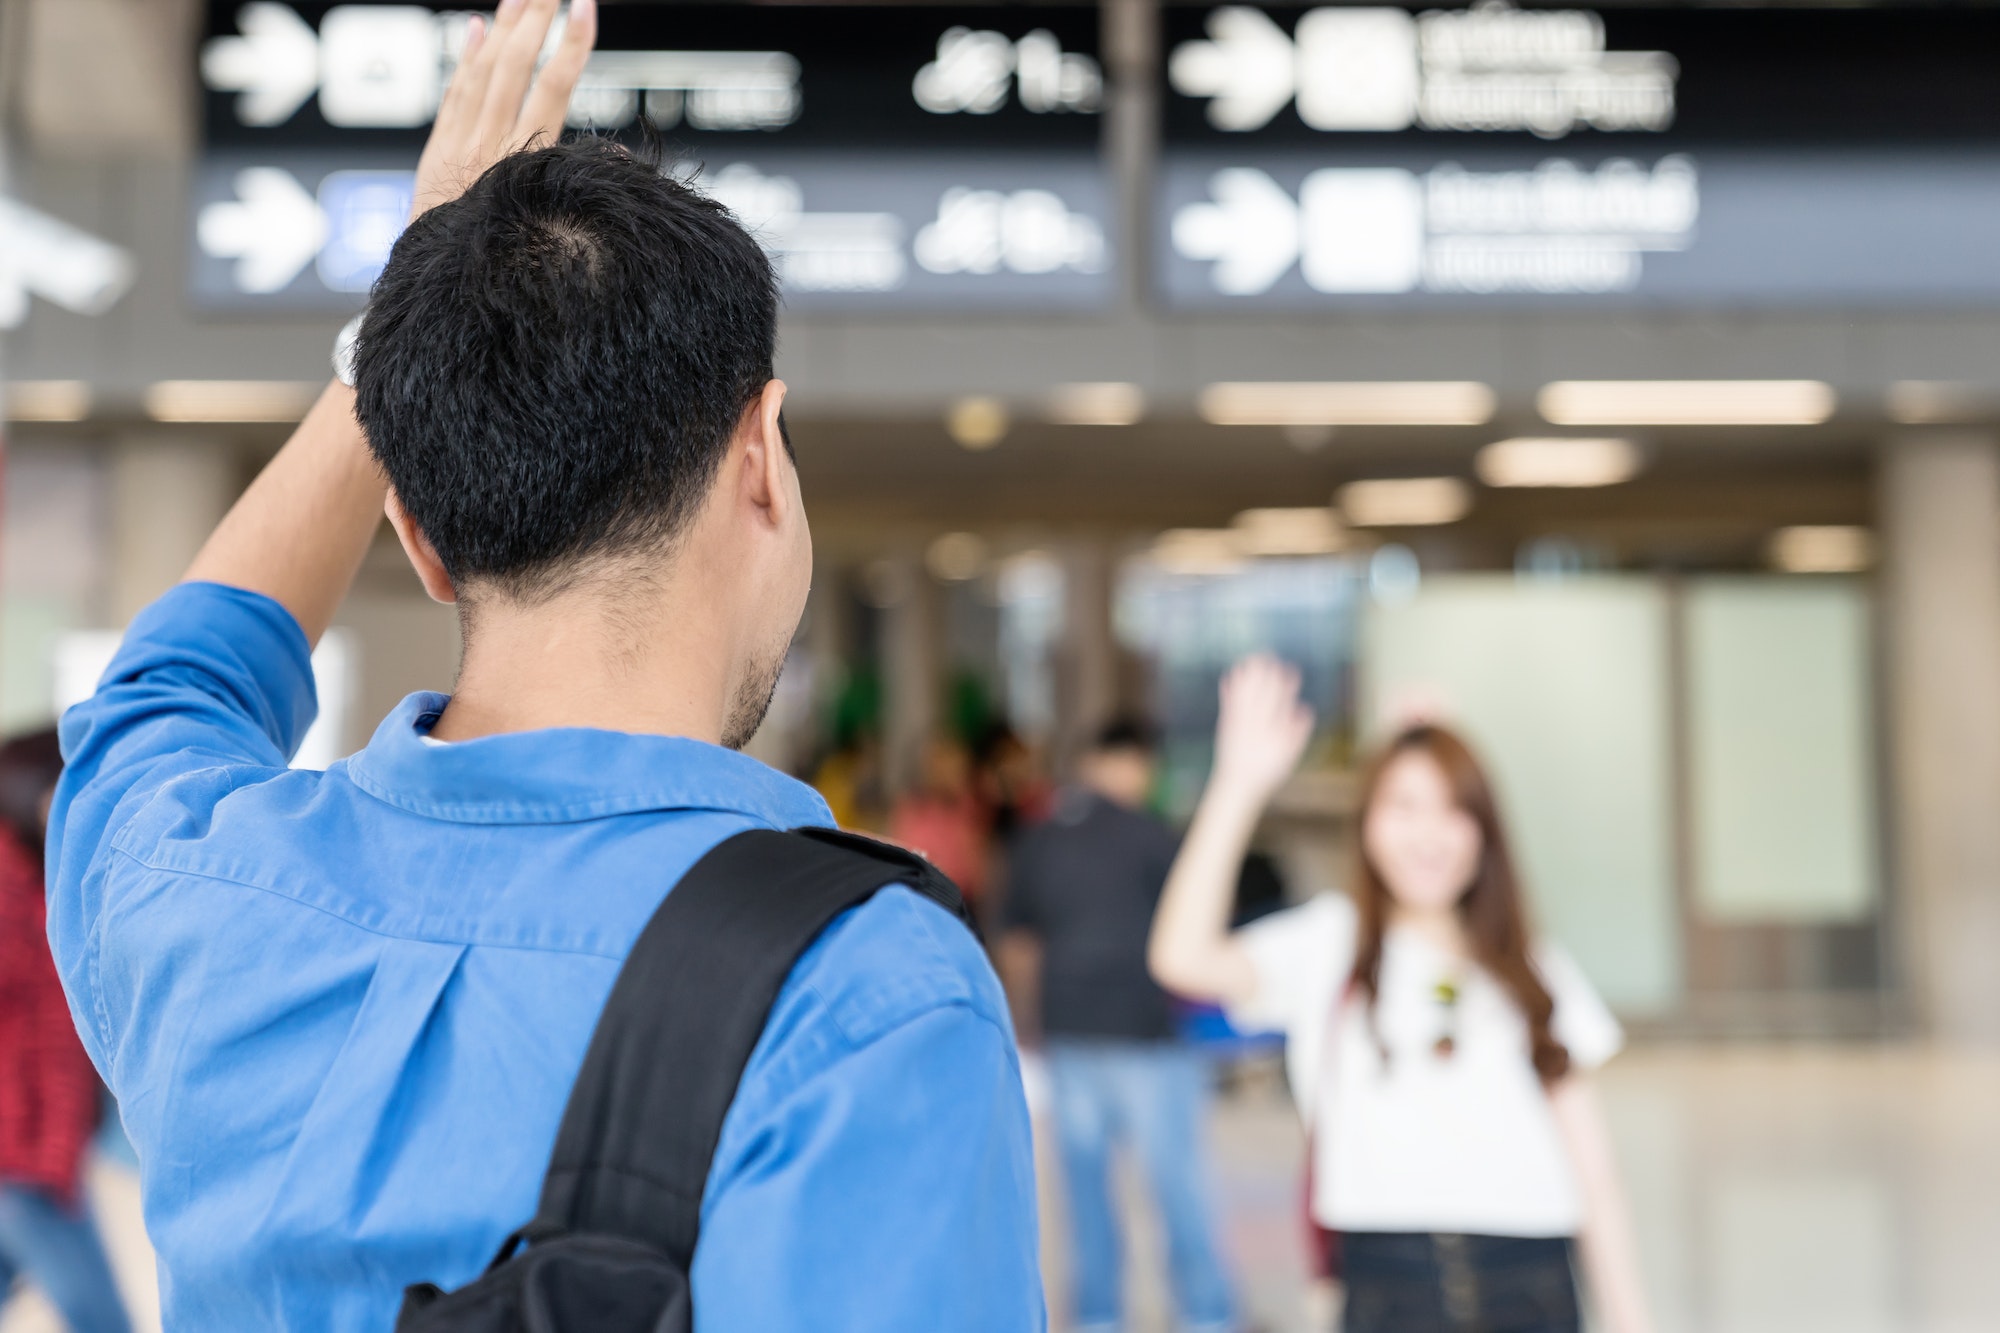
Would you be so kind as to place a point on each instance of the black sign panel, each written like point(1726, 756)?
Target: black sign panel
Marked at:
point(799, 76)
point(1694, 76)
point(1369, 155)
point(890, 157)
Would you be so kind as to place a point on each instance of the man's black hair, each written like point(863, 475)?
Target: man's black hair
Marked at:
point(553, 364)
point(1125, 732)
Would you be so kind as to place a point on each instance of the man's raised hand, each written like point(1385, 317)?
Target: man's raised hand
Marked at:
point(496, 103)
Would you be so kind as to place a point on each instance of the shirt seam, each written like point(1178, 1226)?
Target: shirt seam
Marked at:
point(513, 812)
point(767, 1098)
point(143, 863)
point(928, 1008)
point(775, 1097)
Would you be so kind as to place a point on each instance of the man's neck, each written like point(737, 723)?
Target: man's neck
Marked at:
point(583, 661)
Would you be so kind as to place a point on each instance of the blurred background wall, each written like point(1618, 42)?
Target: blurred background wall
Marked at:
point(1764, 663)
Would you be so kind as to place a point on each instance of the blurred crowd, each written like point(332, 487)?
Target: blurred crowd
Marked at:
point(1457, 1173)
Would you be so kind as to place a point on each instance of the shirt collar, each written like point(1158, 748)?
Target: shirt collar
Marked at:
point(564, 774)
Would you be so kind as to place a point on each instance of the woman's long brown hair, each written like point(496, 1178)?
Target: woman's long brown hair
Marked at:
point(1494, 917)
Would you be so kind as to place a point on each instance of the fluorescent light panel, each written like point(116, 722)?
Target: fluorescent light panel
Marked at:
point(1280, 532)
point(956, 557)
point(1558, 461)
point(47, 400)
point(1686, 402)
point(1405, 502)
point(1198, 551)
point(1822, 549)
point(1941, 402)
point(1355, 403)
point(229, 400)
point(1097, 403)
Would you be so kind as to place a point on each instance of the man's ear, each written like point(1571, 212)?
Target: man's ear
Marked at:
point(423, 556)
point(767, 459)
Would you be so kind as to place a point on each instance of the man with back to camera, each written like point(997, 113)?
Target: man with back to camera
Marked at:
point(342, 1011)
point(1081, 890)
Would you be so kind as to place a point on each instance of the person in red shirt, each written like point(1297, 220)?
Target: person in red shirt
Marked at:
point(943, 819)
point(48, 1090)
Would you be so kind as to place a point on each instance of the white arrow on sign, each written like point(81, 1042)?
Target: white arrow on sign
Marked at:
point(274, 64)
point(1248, 66)
point(1251, 231)
point(272, 229)
point(1352, 68)
point(43, 256)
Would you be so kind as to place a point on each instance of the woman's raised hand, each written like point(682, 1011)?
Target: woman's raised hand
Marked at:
point(1263, 728)
point(496, 103)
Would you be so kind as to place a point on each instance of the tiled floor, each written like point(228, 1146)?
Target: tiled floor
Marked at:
point(1779, 1190)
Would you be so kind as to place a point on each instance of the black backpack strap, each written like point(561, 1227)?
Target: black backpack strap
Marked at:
point(632, 1156)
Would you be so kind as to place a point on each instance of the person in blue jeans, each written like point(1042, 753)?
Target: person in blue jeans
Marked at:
point(48, 1091)
point(55, 1246)
point(1079, 903)
point(342, 1011)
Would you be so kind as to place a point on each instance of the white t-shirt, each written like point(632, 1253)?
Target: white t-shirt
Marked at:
point(1426, 1142)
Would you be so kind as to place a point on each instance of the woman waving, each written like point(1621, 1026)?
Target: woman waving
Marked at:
point(1439, 1052)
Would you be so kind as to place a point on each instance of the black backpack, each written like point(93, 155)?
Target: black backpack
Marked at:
point(610, 1245)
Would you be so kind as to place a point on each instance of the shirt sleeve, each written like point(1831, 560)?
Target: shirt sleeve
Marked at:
point(1582, 1022)
point(1298, 955)
point(208, 676)
point(894, 1192)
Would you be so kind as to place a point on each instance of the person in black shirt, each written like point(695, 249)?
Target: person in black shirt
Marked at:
point(1079, 904)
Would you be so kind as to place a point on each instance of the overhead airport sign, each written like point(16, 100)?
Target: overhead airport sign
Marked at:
point(1363, 155)
point(46, 257)
point(928, 231)
point(890, 157)
point(1486, 68)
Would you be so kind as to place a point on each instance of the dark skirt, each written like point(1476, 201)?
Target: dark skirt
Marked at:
point(1402, 1282)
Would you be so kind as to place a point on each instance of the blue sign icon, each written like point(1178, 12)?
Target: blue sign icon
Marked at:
point(365, 212)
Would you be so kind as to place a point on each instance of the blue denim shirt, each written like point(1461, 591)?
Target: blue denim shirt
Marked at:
point(342, 1011)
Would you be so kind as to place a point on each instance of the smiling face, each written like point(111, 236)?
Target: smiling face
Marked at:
point(1424, 846)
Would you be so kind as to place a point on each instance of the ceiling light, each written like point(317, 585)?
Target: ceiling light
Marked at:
point(229, 400)
point(47, 400)
point(1198, 551)
point(1309, 437)
point(1686, 402)
point(1558, 461)
point(956, 557)
point(1822, 549)
point(1331, 403)
point(1312, 531)
point(977, 423)
point(1031, 577)
point(1102, 403)
point(1405, 502)
point(1941, 402)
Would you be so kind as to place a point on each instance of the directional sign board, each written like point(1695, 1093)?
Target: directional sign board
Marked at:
point(47, 257)
point(889, 157)
point(1368, 156)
